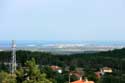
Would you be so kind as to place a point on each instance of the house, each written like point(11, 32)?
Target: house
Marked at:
point(89, 82)
point(56, 68)
point(78, 81)
point(83, 81)
point(102, 71)
point(106, 70)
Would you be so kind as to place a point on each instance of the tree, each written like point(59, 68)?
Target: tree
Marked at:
point(20, 75)
point(31, 73)
point(7, 78)
point(72, 68)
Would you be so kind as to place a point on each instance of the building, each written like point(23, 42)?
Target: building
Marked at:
point(106, 70)
point(83, 81)
point(102, 71)
point(56, 68)
point(78, 81)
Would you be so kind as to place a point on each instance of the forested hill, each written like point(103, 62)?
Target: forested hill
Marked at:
point(110, 58)
point(43, 56)
point(88, 62)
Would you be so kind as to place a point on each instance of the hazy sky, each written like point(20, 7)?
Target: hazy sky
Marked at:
point(62, 19)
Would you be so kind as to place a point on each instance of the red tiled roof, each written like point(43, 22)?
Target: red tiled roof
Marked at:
point(82, 81)
point(89, 82)
point(54, 68)
point(79, 81)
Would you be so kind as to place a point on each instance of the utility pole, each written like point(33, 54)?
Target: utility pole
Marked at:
point(13, 58)
point(70, 77)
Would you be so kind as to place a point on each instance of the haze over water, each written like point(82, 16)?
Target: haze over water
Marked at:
point(34, 43)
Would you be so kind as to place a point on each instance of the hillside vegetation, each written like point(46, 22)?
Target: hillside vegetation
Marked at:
point(89, 62)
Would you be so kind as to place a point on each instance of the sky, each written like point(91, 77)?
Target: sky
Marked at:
point(62, 20)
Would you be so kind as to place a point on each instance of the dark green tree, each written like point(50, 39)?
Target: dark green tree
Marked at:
point(31, 73)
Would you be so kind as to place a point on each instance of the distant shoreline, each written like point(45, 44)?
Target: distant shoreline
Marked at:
point(66, 50)
point(63, 47)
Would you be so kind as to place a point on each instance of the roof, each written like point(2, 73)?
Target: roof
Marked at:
point(79, 81)
point(89, 82)
point(82, 81)
point(54, 68)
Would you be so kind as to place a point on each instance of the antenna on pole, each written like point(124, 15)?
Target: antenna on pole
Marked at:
point(13, 59)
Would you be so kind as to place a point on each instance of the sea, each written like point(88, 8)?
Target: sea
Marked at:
point(38, 43)
point(62, 47)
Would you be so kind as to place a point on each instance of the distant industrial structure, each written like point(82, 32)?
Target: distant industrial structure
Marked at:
point(13, 58)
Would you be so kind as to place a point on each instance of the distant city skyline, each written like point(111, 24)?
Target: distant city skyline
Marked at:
point(62, 20)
